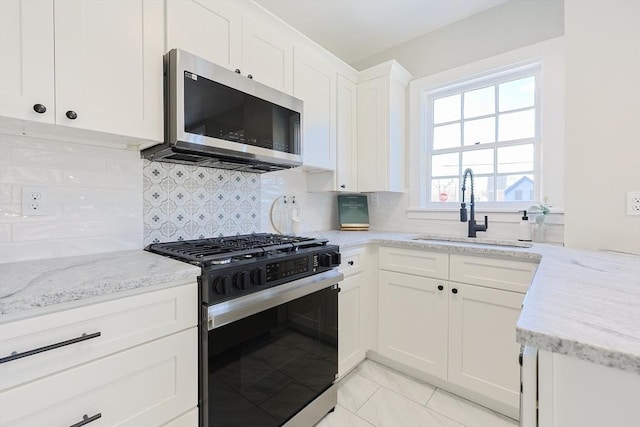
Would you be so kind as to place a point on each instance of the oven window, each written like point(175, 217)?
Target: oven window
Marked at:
point(218, 111)
point(263, 369)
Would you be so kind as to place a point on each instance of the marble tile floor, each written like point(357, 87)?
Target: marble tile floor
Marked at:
point(375, 395)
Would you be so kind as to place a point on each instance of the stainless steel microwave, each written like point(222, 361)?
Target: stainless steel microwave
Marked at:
point(215, 117)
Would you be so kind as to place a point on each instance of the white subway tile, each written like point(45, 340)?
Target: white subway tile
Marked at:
point(34, 157)
point(29, 175)
point(110, 211)
point(5, 233)
point(25, 251)
point(30, 231)
point(88, 178)
point(74, 247)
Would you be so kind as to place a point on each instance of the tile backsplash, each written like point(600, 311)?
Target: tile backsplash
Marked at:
point(93, 199)
point(183, 202)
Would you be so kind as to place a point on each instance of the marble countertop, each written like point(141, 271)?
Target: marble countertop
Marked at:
point(31, 285)
point(581, 303)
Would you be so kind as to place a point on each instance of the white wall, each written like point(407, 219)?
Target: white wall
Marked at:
point(602, 123)
point(500, 29)
point(318, 211)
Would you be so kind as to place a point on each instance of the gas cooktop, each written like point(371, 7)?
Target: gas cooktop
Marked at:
point(222, 250)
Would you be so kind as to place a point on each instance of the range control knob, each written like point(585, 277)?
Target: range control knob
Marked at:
point(221, 285)
point(324, 260)
point(259, 276)
point(336, 258)
point(241, 280)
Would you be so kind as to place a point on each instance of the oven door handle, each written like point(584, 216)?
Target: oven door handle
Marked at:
point(229, 311)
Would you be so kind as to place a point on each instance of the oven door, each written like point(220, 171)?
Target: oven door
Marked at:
point(270, 354)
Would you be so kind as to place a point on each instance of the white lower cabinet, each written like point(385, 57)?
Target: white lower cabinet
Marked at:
point(355, 310)
point(131, 361)
point(462, 333)
point(575, 392)
point(483, 352)
point(413, 321)
point(143, 386)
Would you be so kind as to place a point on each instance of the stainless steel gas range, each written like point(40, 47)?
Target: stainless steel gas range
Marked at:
point(268, 327)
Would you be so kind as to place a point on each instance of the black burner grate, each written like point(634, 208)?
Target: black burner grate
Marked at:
point(202, 251)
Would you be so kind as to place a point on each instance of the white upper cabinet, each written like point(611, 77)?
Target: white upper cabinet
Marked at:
point(26, 68)
point(347, 136)
point(107, 75)
point(267, 54)
point(209, 29)
point(108, 66)
point(381, 127)
point(315, 84)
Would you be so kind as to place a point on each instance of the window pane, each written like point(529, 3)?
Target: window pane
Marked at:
point(483, 190)
point(480, 102)
point(480, 131)
point(445, 164)
point(447, 136)
point(515, 159)
point(517, 94)
point(515, 188)
point(446, 109)
point(480, 161)
point(445, 190)
point(516, 125)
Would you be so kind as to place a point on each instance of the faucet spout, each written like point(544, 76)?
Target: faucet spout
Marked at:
point(473, 226)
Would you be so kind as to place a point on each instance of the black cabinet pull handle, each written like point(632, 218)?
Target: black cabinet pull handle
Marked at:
point(71, 115)
point(440, 287)
point(350, 263)
point(454, 290)
point(39, 108)
point(86, 420)
point(343, 186)
point(250, 76)
point(237, 70)
point(81, 338)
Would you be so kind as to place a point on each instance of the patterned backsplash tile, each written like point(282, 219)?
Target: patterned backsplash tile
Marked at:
point(189, 202)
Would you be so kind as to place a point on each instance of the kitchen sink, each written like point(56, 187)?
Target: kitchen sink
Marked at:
point(476, 240)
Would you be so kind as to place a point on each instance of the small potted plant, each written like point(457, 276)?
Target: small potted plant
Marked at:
point(540, 211)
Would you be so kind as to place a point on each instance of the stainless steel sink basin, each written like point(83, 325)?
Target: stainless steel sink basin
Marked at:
point(477, 241)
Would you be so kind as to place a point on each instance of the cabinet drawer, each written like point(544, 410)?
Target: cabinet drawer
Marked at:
point(122, 323)
point(352, 261)
point(190, 419)
point(143, 386)
point(494, 273)
point(421, 263)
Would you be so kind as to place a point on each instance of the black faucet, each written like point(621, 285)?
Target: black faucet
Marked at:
point(473, 227)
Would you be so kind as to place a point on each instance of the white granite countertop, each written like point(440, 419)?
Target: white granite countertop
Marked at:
point(30, 285)
point(584, 304)
point(581, 303)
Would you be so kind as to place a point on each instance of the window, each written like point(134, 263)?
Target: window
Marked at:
point(489, 124)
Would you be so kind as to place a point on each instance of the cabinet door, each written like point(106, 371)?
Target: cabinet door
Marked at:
point(109, 66)
point(351, 349)
point(267, 55)
point(483, 352)
point(373, 132)
point(413, 321)
point(26, 68)
point(209, 29)
point(347, 132)
point(315, 84)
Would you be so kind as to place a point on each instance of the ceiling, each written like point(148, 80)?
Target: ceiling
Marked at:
point(356, 29)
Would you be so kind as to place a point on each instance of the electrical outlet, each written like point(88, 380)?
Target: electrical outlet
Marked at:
point(633, 203)
point(34, 201)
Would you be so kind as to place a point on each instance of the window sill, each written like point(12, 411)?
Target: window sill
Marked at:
point(504, 215)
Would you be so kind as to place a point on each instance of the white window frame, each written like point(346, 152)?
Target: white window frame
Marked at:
point(490, 79)
point(549, 149)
